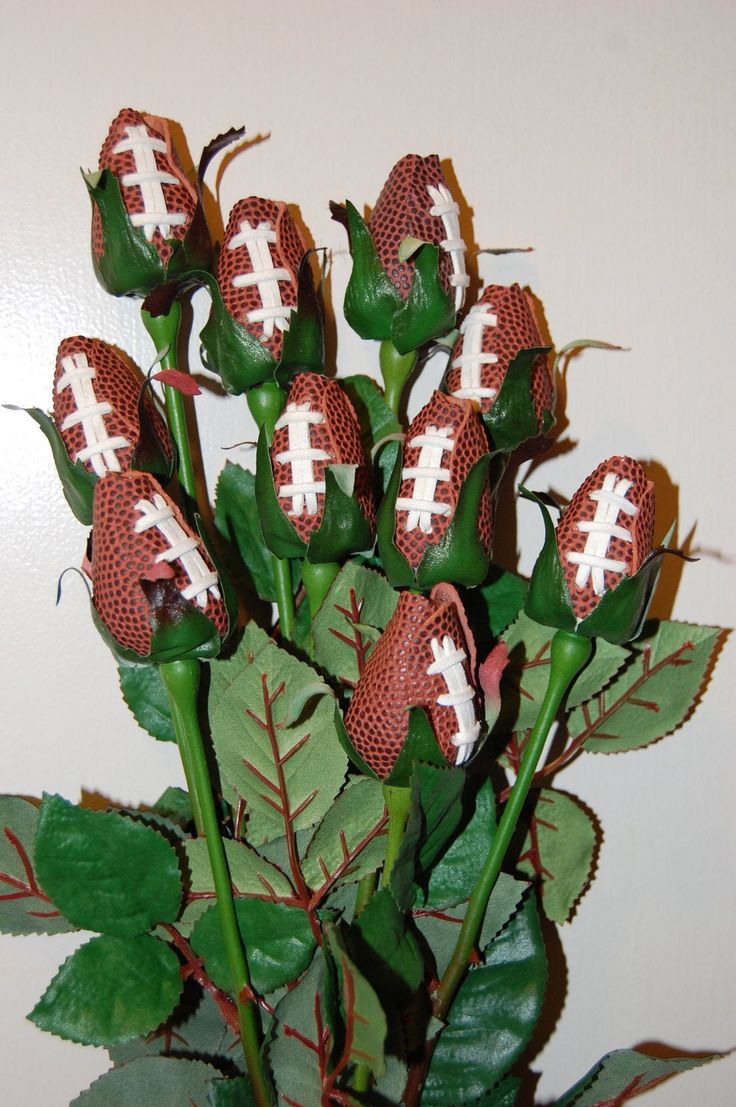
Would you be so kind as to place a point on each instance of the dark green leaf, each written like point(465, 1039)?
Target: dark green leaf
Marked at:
point(174, 804)
point(303, 347)
point(559, 849)
point(278, 938)
point(231, 1093)
point(146, 696)
point(395, 566)
point(229, 348)
point(460, 556)
point(363, 1017)
point(436, 809)
point(195, 1028)
point(128, 263)
point(429, 311)
point(503, 597)
point(376, 418)
point(621, 1075)
point(512, 419)
point(370, 298)
point(457, 870)
point(504, 1094)
point(620, 614)
point(110, 991)
point(493, 1016)
point(396, 957)
point(77, 482)
point(236, 518)
point(344, 529)
point(163, 1081)
point(278, 533)
point(548, 600)
point(106, 872)
point(24, 906)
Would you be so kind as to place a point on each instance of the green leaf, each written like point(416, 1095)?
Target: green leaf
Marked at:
point(282, 772)
point(195, 1028)
point(146, 696)
point(654, 694)
point(24, 906)
point(279, 535)
point(370, 298)
point(303, 347)
point(165, 1081)
point(348, 624)
point(295, 1067)
point(559, 849)
point(512, 419)
point(429, 311)
point(106, 872)
point(376, 418)
point(278, 938)
point(548, 600)
point(174, 804)
point(457, 870)
point(395, 566)
point(625, 1073)
point(111, 990)
point(435, 812)
point(231, 1093)
point(420, 745)
point(350, 842)
point(77, 482)
point(251, 875)
point(363, 1017)
point(236, 518)
point(504, 597)
point(528, 643)
point(229, 348)
point(493, 1016)
point(396, 957)
point(129, 264)
point(344, 528)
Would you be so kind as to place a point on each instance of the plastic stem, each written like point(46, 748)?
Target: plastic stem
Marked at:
point(569, 653)
point(396, 369)
point(398, 802)
point(181, 679)
point(164, 331)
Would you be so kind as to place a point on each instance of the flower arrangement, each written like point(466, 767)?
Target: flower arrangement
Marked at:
point(345, 905)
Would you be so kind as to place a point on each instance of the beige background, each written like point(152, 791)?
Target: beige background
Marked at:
point(599, 133)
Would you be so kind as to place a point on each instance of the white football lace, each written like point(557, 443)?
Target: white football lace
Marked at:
point(426, 474)
point(472, 359)
point(445, 208)
point(265, 276)
point(301, 455)
point(100, 447)
point(183, 548)
point(149, 179)
point(448, 663)
point(593, 563)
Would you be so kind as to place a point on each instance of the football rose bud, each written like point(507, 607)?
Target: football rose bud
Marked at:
point(435, 521)
point(313, 481)
point(148, 225)
point(156, 591)
point(408, 280)
point(597, 570)
point(424, 658)
point(499, 362)
point(265, 321)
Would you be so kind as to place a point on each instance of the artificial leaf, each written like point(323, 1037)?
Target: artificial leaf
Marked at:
point(457, 870)
point(344, 528)
point(363, 1017)
point(24, 906)
point(653, 694)
point(288, 775)
point(504, 1094)
point(357, 607)
point(623, 1074)
point(176, 379)
point(146, 696)
point(493, 1015)
point(195, 1028)
point(77, 482)
point(390, 1086)
point(436, 809)
point(395, 957)
point(420, 744)
point(370, 297)
point(279, 535)
point(512, 418)
point(338, 853)
point(559, 849)
point(503, 598)
point(278, 939)
point(165, 1081)
point(429, 311)
point(297, 1065)
point(111, 990)
point(251, 875)
point(460, 555)
point(526, 676)
point(231, 1093)
point(106, 872)
point(236, 518)
point(175, 805)
point(376, 418)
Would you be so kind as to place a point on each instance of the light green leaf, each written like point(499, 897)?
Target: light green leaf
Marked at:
point(337, 853)
point(294, 1065)
point(559, 849)
point(363, 1017)
point(493, 1016)
point(110, 991)
point(106, 872)
point(251, 875)
point(284, 773)
point(654, 694)
point(236, 518)
point(623, 1074)
point(278, 938)
point(525, 679)
point(457, 870)
point(356, 609)
point(24, 906)
point(146, 696)
point(376, 418)
point(165, 1081)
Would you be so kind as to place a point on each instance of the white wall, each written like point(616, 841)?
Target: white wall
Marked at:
point(601, 134)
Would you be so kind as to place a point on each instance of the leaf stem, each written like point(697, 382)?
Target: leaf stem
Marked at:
point(164, 331)
point(396, 369)
point(569, 653)
point(181, 679)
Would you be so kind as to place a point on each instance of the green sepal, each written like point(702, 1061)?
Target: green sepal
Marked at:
point(149, 455)
point(395, 566)
point(303, 347)
point(420, 745)
point(129, 265)
point(230, 350)
point(511, 419)
point(77, 482)
point(344, 528)
point(371, 300)
point(278, 533)
point(460, 557)
point(344, 739)
point(429, 311)
point(548, 600)
point(227, 588)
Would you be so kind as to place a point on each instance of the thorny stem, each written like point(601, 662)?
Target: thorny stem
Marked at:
point(181, 679)
point(164, 331)
point(396, 369)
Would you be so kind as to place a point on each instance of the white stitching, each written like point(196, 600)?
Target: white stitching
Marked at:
point(183, 548)
point(258, 241)
point(593, 562)
point(448, 663)
point(149, 179)
point(100, 447)
point(445, 208)
point(471, 360)
point(426, 474)
point(301, 455)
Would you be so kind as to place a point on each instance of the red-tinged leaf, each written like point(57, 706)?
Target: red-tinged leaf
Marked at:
point(559, 849)
point(623, 1074)
point(182, 382)
point(489, 675)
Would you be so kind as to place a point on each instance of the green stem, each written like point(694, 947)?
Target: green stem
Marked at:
point(164, 331)
point(398, 802)
point(569, 653)
point(366, 888)
point(317, 580)
point(181, 679)
point(396, 369)
point(284, 597)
